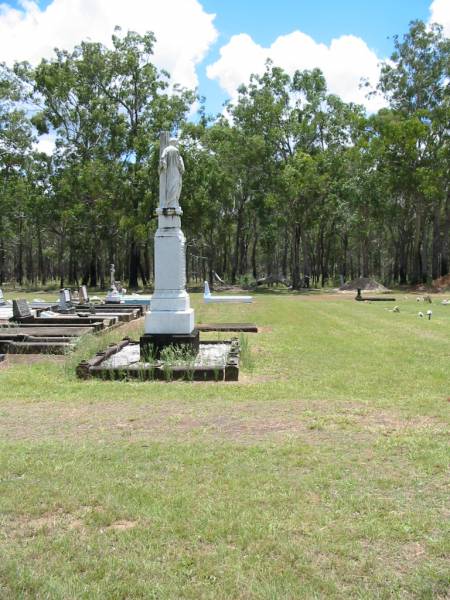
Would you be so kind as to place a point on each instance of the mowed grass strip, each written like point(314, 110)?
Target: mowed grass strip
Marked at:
point(322, 474)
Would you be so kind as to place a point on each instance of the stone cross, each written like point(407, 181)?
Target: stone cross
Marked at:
point(2, 300)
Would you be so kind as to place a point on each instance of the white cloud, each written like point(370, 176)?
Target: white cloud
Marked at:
point(46, 143)
point(184, 31)
point(344, 63)
point(440, 13)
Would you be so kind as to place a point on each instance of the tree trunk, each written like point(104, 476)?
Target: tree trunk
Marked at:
point(41, 265)
point(436, 249)
point(93, 270)
point(284, 260)
point(237, 244)
point(445, 239)
point(296, 283)
point(61, 260)
point(254, 249)
point(134, 265)
point(19, 265)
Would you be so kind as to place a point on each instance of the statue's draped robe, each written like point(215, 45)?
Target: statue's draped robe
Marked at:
point(171, 169)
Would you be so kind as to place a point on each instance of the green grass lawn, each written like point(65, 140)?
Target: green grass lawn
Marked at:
point(323, 473)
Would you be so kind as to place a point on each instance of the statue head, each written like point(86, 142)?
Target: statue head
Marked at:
point(173, 142)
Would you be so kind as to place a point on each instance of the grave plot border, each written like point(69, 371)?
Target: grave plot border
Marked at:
point(157, 371)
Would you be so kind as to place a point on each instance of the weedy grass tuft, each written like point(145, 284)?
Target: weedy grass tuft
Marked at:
point(246, 357)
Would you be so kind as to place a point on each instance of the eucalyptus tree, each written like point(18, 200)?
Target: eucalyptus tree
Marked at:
point(303, 132)
point(416, 136)
point(106, 106)
point(16, 139)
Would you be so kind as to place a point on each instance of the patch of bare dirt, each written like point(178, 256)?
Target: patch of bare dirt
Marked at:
point(172, 420)
point(442, 283)
point(325, 297)
point(26, 526)
point(122, 525)
point(30, 359)
point(249, 378)
point(363, 283)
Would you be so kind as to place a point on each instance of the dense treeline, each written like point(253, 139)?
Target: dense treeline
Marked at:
point(291, 181)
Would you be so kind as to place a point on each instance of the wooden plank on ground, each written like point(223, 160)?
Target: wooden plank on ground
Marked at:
point(39, 347)
point(245, 327)
point(123, 317)
point(111, 307)
point(39, 331)
point(98, 321)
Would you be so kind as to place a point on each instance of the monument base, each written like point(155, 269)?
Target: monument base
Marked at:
point(152, 344)
point(169, 321)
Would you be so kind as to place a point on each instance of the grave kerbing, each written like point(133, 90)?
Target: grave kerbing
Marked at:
point(170, 320)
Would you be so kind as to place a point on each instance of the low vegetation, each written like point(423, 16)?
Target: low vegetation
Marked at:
point(321, 474)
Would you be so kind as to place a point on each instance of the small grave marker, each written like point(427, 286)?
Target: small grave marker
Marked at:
point(21, 310)
point(65, 302)
point(84, 296)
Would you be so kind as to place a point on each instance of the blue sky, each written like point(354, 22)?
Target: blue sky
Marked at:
point(375, 21)
point(347, 39)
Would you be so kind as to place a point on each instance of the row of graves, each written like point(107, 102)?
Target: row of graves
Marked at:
point(57, 327)
point(170, 347)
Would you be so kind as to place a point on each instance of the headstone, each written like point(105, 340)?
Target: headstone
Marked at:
point(65, 302)
point(84, 296)
point(2, 299)
point(171, 318)
point(21, 310)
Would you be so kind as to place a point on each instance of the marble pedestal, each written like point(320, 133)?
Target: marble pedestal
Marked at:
point(170, 320)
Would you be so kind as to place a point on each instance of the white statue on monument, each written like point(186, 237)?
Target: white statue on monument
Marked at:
point(171, 169)
point(171, 318)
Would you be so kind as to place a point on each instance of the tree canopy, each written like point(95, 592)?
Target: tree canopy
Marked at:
point(290, 181)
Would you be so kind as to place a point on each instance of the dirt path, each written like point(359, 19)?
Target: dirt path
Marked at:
point(171, 420)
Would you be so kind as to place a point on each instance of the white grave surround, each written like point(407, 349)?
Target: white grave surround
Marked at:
point(113, 295)
point(170, 310)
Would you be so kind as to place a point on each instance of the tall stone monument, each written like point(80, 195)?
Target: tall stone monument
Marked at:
point(170, 320)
